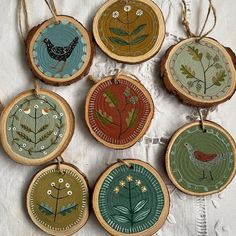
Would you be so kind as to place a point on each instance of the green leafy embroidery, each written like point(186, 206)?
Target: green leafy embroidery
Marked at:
point(103, 117)
point(122, 209)
point(44, 127)
point(119, 41)
point(218, 78)
point(46, 209)
point(194, 52)
point(138, 29)
point(202, 83)
point(130, 212)
point(118, 31)
point(26, 128)
point(132, 117)
point(57, 193)
point(110, 98)
point(24, 136)
point(45, 136)
point(128, 30)
point(187, 70)
point(141, 216)
point(139, 39)
point(121, 219)
point(113, 102)
point(68, 209)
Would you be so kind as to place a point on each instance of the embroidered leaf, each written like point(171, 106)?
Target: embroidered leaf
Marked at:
point(16, 117)
point(198, 87)
point(122, 209)
point(67, 209)
point(30, 151)
point(14, 140)
point(24, 136)
point(44, 127)
point(138, 29)
point(218, 78)
point(46, 209)
point(141, 216)
point(118, 31)
point(132, 118)
point(194, 52)
point(110, 98)
point(140, 205)
point(187, 71)
point(121, 219)
point(139, 39)
point(190, 84)
point(118, 41)
point(45, 136)
point(26, 128)
point(218, 66)
point(103, 117)
point(216, 58)
point(208, 56)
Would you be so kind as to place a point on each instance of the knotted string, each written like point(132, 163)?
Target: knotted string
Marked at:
point(22, 10)
point(186, 24)
point(202, 118)
point(52, 8)
point(36, 86)
point(59, 161)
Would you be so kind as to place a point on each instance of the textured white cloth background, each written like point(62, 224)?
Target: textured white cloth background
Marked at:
point(189, 216)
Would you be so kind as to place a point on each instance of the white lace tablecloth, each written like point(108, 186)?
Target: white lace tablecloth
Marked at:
point(189, 216)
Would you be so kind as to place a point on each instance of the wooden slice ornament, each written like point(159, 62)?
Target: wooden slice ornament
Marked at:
point(36, 127)
point(59, 50)
point(199, 70)
point(58, 200)
point(130, 198)
point(201, 162)
point(118, 111)
point(129, 31)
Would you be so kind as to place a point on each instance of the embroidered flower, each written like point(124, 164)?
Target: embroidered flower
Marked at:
point(42, 147)
point(14, 128)
point(20, 110)
point(36, 106)
point(61, 180)
point(20, 149)
point(67, 185)
point(24, 145)
point(69, 193)
point(139, 12)
point(53, 184)
point(45, 153)
point(115, 14)
point(9, 128)
point(60, 135)
point(49, 192)
point(55, 133)
point(54, 117)
point(127, 8)
point(61, 114)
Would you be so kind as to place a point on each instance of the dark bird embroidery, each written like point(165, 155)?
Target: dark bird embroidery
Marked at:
point(60, 53)
point(203, 160)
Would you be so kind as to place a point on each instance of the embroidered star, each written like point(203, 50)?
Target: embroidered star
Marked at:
point(129, 178)
point(137, 182)
point(122, 183)
point(116, 190)
point(143, 189)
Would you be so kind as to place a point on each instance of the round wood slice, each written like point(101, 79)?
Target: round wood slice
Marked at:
point(131, 199)
point(129, 31)
point(201, 73)
point(118, 113)
point(36, 128)
point(58, 202)
point(59, 53)
point(201, 163)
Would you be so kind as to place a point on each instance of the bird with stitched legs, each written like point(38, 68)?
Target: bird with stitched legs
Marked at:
point(204, 161)
point(60, 54)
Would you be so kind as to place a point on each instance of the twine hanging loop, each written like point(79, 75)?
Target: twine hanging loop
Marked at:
point(186, 23)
